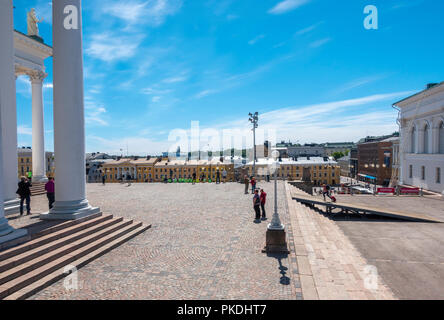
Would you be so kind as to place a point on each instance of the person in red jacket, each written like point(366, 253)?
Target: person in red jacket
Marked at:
point(253, 184)
point(263, 197)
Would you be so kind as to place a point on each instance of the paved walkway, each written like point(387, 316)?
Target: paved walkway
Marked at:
point(203, 245)
point(330, 266)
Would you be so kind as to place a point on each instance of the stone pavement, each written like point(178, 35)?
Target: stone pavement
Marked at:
point(203, 245)
point(330, 267)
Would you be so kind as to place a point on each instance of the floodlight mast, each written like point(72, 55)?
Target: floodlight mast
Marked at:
point(254, 119)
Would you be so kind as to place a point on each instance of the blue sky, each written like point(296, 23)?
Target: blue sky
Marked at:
point(309, 67)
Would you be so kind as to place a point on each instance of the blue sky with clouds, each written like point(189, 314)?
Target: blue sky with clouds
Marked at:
point(309, 67)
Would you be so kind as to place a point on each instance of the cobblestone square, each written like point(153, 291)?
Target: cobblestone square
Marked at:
point(203, 244)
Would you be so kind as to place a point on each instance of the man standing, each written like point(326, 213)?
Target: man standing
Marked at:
point(253, 184)
point(224, 175)
point(218, 177)
point(263, 197)
point(194, 177)
point(50, 191)
point(24, 192)
point(257, 204)
point(246, 182)
point(103, 179)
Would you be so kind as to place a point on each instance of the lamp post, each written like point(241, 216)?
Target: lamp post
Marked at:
point(275, 237)
point(254, 118)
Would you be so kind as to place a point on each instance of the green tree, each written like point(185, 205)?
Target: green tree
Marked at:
point(337, 155)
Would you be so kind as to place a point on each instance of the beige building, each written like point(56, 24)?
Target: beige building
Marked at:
point(318, 170)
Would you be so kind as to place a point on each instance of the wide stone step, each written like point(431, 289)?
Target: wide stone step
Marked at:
point(57, 240)
point(79, 250)
point(59, 274)
point(47, 258)
point(52, 233)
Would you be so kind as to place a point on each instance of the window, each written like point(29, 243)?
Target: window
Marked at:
point(413, 140)
point(441, 138)
point(426, 139)
point(410, 171)
point(422, 173)
point(438, 175)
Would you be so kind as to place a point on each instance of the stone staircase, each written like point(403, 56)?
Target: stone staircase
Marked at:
point(34, 265)
point(38, 188)
point(331, 267)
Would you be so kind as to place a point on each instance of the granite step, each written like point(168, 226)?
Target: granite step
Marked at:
point(66, 249)
point(52, 233)
point(58, 239)
point(94, 245)
point(59, 274)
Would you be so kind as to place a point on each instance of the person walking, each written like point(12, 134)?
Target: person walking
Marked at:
point(194, 177)
point(263, 198)
point(103, 179)
point(128, 179)
point(50, 191)
point(24, 192)
point(257, 205)
point(253, 184)
point(224, 175)
point(246, 182)
point(217, 177)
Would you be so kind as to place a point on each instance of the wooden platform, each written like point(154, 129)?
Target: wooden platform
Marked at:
point(362, 209)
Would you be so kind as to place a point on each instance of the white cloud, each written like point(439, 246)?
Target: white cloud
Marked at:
point(308, 29)
point(359, 83)
point(176, 79)
point(94, 113)
point(287, 5)
point(256, 39)
point(320, 43)
point(151, 12)
point(156, 99)
point(331, 121)
point(24, 130)
point(136, 145)
point(205, 93)
point(110, 47)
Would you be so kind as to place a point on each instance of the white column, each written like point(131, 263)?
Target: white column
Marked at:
point(38, 131)
point(8, 124)
point(8, 110)
point(69, 119)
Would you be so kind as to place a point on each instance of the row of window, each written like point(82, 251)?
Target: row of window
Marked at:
point(425, 143)
point(423, 173)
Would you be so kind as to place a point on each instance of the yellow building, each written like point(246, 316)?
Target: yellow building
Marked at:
point(157, 170)
point(24, 165)
point(221, 166)
point(140, 170)
point(318, 170)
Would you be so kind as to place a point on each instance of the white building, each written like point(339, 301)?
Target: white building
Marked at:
point(421, 118)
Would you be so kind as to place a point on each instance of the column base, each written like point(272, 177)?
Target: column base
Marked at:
point(276, 242)
point(69, 210)
point(41, 179)
point(8, 233)
point(12, 207)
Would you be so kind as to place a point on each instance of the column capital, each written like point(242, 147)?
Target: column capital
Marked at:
point(37, 76)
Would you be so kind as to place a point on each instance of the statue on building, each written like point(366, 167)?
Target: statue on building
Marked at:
point(32, 21)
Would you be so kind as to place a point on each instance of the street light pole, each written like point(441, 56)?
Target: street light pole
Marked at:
point(275, 237)
point(254, 119)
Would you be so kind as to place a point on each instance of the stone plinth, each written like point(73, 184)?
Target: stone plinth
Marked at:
point(276, 242)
